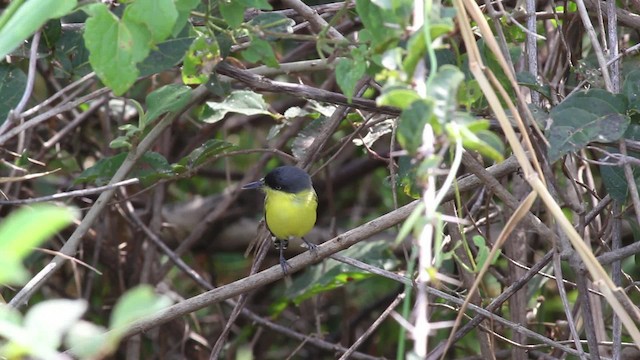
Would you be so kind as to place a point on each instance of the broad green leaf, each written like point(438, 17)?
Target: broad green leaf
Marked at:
point(598, 101)
point(27, 19)
point(483, 251)
point(200, 60)
point(232, 11)
point(443, 89)
point(71, 54)
point(582, 127)
point(12, 82)
point(615, 181)
point(150, 167)
point(168, 98)
point(411, 124)
point(121, 142)
point(167, 55)
point(613, 177)
point(407, 182)
point(86, 340)
point(333, 274)
point(416, 50)
point(184, 8)
point(135, 304)
point(49, 320)
point(260, 51)
point(585, 117)
point(384, 4)
point(217, 87)
point(529, 80)
point(273, 22)
point(258, 4)
point(469, 93)
point(631, 88)
point(374, 19)
point(159, 16)
point(116, 47)
point(102, 171)
point(25, 229)
point(348, 72)
point(240, 101)
point(399, 97)
point(204, 152)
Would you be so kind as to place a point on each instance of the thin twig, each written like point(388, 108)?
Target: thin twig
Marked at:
point(71, 245)
point(31, 78)
point(53, 112)
point(373, 327)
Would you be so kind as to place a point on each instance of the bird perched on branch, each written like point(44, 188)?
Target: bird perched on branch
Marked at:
point(290, 206)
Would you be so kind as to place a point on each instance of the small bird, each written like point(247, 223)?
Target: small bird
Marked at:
point(290, 206)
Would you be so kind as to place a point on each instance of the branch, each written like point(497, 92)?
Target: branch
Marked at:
point(71, 246)
point(258, 82)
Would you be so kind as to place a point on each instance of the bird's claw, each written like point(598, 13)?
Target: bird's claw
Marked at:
point(311, 246)
point(284, 264)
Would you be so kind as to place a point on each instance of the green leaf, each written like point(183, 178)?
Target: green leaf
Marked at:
point(12, 82)
point(400, 97)
point(529, 80)
point(260, 51)
point(184, 8)
point(443, 89)
point(135, 304)
point(483, 251)
point(167, 55)
point(615, 181)
point(374, 18)
point(348, 72)
point(102, 171)
point(47, 322)
point(492, 148)
point(116, 47)
point(631, 88)
point(613, 177)
point(232, 11)
point(411, 124)
point(204, 152)
point(258, 4)
point(200, 60)
point(240, 101)
point(168, 98)
point(273, 22)
point(25, 229)
point(150, 167)
point(159, 16)
point(333, 274)
point(87, 341)
point(585, 117)
point(121, 142)
point(27, 19)
point(71, 54)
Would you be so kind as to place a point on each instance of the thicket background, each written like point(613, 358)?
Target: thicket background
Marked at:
point(477, 160)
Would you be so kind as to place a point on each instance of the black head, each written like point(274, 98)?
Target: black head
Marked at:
point(289, 179)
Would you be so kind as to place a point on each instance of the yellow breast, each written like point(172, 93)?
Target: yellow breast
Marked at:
point(290, 215)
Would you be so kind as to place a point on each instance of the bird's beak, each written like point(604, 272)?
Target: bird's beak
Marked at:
point(254, 185)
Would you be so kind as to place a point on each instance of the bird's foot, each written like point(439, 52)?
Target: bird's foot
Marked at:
point(284, 264)
point(311, 246)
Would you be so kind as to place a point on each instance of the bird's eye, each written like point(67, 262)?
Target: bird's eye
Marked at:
point(278, 187)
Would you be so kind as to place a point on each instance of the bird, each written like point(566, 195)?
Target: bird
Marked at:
point(290, 207)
